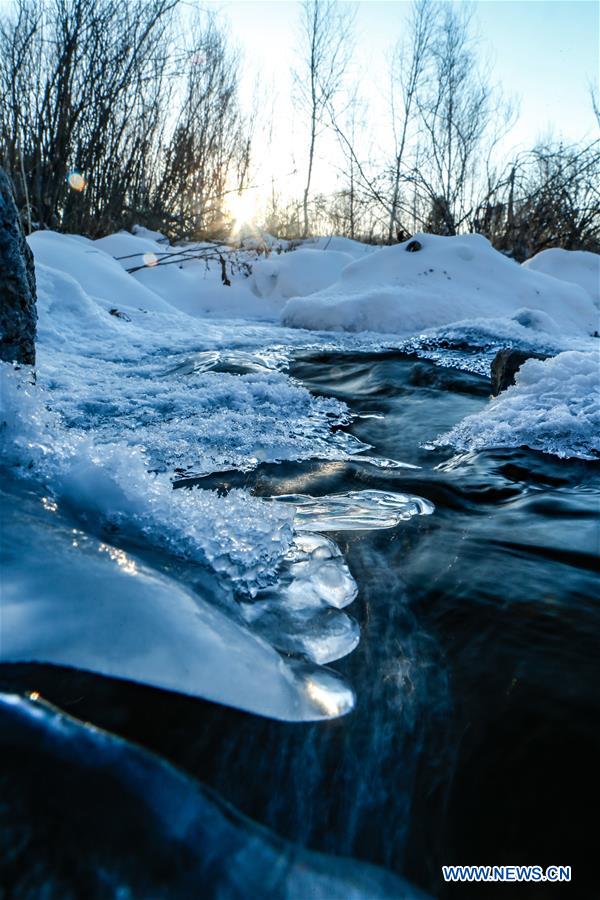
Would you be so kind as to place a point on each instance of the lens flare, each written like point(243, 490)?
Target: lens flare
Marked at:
point(76, 181)
point(150, 260)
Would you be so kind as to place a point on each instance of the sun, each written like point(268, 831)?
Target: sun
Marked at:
point(243, 210)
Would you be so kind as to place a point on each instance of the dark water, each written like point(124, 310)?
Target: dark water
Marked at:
point(476, 735)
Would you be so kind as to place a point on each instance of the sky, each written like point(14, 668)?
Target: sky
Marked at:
point(542, 53)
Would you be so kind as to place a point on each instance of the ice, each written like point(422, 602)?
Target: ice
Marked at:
point(314, 573)
point(232, 362)
point(301, 613)
point(354, 510)
point(553, 407)
point(73, 600)
point(322, 636)
point(109, 486)
point(450, 279)
point(326, 690)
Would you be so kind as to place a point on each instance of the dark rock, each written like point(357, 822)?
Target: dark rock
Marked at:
point(414, 246)
point(18, 315)
point(120, 315)
point(505, 366)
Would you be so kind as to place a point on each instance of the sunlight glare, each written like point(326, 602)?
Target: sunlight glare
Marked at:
point(243, 210)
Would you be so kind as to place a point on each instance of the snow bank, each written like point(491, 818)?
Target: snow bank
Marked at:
point(297, 273)
point(142, 232)
point(553, 407)
point(192, 286)
point(334, 242)
point(575, 266)
point(96, 272)
point(448, 280)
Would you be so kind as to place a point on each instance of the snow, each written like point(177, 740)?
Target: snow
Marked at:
point(95, 271)
point(142, 232)
point(127, 382)
point(299, 273)
point(185, 283)
point(575, 266)
point(554, 406)
point(337, 243)
point(111, 484)
point(448, 280)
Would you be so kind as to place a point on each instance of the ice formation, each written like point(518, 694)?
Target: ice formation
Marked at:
point(73, 600)
point(354, 510)
point(302, 612)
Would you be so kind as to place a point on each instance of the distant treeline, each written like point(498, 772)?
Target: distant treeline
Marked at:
point(114, 112)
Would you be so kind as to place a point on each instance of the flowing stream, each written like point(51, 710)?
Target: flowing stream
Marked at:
point(475, 735)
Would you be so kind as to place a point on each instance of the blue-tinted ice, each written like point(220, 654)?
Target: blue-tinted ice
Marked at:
point(354, 510)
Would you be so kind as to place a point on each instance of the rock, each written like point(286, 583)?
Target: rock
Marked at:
point(505, 366)
point(120, 315)
point(18, 315)
point(414, 246)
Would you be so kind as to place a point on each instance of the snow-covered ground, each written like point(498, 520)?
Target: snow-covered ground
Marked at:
point(149, 365)
point(574, 266)
point(447, 280)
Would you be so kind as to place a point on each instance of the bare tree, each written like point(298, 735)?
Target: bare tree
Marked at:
point(595, 100)
point(547, 197)
point(82, 91)
point(108, 116)
point(455, 108)
point(325, 49)
point(208, 153)
point(409, 69)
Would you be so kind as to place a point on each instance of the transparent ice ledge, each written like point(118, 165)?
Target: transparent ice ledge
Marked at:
point(354, 510)
point(72, 600)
